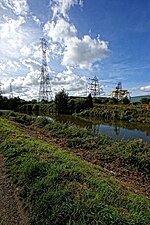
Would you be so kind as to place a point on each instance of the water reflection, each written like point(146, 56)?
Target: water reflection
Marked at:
point(118, 130)
point(120, 133)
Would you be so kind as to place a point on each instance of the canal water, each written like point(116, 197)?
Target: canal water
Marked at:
point(118, 130)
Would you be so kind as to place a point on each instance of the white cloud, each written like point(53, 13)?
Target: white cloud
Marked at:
point(19, 7)
point(60, 31)
point(77, 52)
point(55, 50)
point(71, 82)
point(61, 7)
point(9, 66)
point(84, 52)
point(32, 64)
point(32, 78)
point(25, 86)
point(146, 88)
point(29, 94)
point(37, 53)
point(11, 36)
point(36, 19)
point(10, 28)
point(25, 51)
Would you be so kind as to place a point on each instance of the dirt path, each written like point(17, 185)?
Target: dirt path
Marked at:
point(10, 212)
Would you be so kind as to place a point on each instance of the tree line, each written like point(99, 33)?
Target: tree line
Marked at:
point(62, 104)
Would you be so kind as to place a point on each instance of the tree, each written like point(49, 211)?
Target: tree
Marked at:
point(113, 101)
point(125, 100)
point(89, 101)
point(61, 102)
point(71, 106)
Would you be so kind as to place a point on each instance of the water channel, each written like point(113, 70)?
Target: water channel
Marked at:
point(118, 130)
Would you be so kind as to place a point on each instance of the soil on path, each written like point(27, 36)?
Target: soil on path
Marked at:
point(10, 210)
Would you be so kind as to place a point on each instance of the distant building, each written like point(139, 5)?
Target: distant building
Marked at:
point(119, 93)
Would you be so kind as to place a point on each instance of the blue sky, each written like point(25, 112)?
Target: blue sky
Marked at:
point(106, 38)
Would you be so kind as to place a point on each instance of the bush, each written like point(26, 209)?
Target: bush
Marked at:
point(41, 121)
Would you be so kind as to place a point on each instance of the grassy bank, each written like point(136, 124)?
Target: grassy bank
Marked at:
point(132, 113)
point(58, 188)
point(131, 155)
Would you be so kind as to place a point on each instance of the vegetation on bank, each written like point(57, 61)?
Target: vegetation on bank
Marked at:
point(131, 113)
point(132, 155)
point(56, 187)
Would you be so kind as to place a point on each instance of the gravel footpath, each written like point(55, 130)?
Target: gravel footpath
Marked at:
point(10, 212)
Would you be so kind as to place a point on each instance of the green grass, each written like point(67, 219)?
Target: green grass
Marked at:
point(132, 155)
point(57, 187)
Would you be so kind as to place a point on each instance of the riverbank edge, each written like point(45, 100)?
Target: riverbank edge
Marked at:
point(132, 155)
point(40, 153)
point(130, 113)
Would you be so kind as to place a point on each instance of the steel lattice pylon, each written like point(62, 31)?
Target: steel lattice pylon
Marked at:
point(0, 88)
point(45, 92)
point(95, 88)
point(11, 91)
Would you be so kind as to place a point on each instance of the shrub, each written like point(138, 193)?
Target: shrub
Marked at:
point(41, 121)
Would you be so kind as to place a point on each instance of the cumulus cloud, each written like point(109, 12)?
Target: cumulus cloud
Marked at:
point(25, 51)
point(32, 64)
point(9, 66)
point(23, 86)
point(27, 86)
point(146, 88)
point(37, 53)
point(32, 78)
point(19, 7)
point(69, 81)
point(11, 27)
point(61, 7)
point(77, 52)
point(11, 36)
point(36, 19)
point(60, 31)
point(84, 52)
